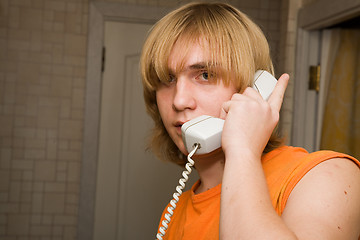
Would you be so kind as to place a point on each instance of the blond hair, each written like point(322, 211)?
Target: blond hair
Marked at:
point(233, 41)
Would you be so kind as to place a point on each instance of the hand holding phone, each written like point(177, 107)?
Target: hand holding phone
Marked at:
point(206, 130)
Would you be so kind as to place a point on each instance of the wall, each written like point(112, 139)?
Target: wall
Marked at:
point(286, 63)
point(42, 83)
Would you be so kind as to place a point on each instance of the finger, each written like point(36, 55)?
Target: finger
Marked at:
point(225, 109)
point(253, 94)
point(277, 96)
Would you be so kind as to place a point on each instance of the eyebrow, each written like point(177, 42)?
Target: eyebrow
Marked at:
point(196, 66)
point(204, 65)
point(200, 65)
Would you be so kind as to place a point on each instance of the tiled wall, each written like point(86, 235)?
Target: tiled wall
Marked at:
point(287, 51)
point(42, 83)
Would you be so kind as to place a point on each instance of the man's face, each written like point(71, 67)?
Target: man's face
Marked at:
point(191, 91)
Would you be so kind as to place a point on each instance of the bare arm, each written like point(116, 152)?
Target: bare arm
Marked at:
point(326, 202)
point(316, 207)
point(324, 205)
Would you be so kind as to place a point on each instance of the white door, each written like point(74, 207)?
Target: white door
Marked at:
point(317, 48)
point(305, 101)
point(132, 187)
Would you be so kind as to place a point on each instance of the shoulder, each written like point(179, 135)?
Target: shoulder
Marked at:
point(326, 201)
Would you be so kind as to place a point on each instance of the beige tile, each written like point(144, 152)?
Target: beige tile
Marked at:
point(60, 86)
point(73, 187)
point(14, 17)
point(73, 174)
point(22, 3)
point(70, 129)
point(41, 133)
point(16, 177)
point(55, 187)
point(4, 180)
point(45, 170)
point(48, 15)
point(78, 98)
point(73, 23)
point(35, 219)
point(35, 143)
point(18, 224)
point(70, 232)
point(77, 114)
point(30, 18)
point(58, 27)
point(76, 145)
point(22, 164)
point(41, 230)
point(26, 186)
point(25, 197)
point(37, 203)
point(51, 149)
point(38, 186)
point(61, 176)
point(18, 155)
point(37, 3)
point(15, 189)
point(59, 16)
point(25, 208)
point(63, 70)
point(68, 155)
point(54, 203)
point(47, 117)
point(27, 175)
point(10, 208)
point(65, 220)
point(6, 121)
point(53, 37)
point(19, 34)
point(75, 61)
point(47, 219)
point(57, 5)
point(24, 132)
point(35, 154)
point(75, 45)
point(57, 230)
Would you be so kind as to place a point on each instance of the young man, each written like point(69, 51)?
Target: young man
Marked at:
point(201, 59)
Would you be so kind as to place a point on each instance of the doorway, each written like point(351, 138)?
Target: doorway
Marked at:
point(129, 196)
point(314, 48)
point(133, 187)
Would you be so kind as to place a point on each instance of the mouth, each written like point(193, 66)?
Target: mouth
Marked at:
point(178, 126)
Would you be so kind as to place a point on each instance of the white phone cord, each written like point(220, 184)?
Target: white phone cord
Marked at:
point(177, 194)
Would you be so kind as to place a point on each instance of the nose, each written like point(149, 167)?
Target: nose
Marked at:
point(184, 97)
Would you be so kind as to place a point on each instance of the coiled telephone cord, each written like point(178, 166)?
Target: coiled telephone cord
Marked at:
point(177, 194)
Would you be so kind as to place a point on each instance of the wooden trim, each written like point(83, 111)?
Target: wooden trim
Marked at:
point(305, 108)
point(324, 13)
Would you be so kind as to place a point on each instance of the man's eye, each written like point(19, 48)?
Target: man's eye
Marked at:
point(206, 76)
point(171, 79)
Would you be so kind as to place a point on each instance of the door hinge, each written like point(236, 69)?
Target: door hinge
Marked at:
point(314, 78)
point(103, 59)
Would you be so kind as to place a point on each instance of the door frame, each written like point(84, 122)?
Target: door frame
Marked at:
point(99, 12)
point(311, 20)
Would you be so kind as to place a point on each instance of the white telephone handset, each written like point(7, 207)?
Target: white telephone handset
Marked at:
point(206, 130)
point(203, 135)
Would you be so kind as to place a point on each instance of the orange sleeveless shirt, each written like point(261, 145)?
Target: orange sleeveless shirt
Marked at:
point(197, 216)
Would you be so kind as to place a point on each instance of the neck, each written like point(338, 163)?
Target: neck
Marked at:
point(210, 168)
